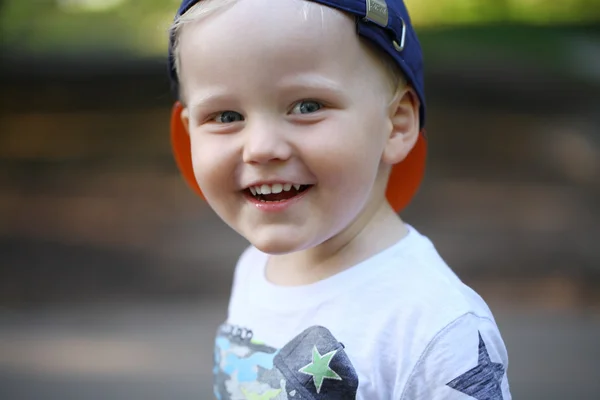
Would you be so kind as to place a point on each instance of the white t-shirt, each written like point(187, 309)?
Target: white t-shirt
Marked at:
point(400, 325)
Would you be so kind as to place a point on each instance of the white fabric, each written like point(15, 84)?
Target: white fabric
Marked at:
point(408, 324)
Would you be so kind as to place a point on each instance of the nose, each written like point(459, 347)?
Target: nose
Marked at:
point(265, 142)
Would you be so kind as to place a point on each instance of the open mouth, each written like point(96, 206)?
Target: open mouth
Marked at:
point(276, 192)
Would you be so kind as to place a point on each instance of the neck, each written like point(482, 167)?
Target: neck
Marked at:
point(372, 232)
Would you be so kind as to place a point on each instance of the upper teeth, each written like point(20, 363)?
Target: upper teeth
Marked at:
point(275, 188)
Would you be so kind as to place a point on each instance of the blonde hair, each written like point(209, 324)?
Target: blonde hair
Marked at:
point(205, 8)
point(197, 12)
point(394, 75)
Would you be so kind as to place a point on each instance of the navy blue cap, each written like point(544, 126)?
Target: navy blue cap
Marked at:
point(385, 23)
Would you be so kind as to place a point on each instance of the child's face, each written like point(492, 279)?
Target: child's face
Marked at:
point(283, 92)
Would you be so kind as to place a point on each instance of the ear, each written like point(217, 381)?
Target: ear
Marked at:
point(185, 119)
point(404, 118)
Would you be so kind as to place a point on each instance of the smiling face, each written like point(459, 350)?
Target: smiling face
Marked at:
point(289, 121)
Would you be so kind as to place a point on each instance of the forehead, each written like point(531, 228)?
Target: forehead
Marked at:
point(265, 40)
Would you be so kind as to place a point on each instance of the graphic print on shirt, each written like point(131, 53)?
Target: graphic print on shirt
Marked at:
point(484, 381)
point(312, 366)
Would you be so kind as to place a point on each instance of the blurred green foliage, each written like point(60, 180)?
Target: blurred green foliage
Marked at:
point(139, 27)
point(81, 26)
point(460, 12)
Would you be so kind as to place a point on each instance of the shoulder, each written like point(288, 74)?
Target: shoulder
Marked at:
point(447, 338)
point(249, 262)
point(248, 265)
point(418, 326)
point(467, 357)
point(417, 278)
point(410, 284)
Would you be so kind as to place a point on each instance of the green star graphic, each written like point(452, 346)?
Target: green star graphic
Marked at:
point(319, 368)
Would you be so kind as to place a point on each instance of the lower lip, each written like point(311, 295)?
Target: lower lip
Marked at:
point(277, 206)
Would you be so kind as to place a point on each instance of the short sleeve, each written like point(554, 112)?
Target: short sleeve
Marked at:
point(466, 360)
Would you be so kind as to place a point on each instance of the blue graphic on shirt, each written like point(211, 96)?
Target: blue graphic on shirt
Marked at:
point(245, 367)
point(312, 366)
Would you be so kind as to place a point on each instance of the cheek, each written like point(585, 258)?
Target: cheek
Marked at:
point(349, 149)
point(212, 162)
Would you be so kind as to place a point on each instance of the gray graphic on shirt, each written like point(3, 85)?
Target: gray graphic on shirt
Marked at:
point(483, 382)
point(312, 366)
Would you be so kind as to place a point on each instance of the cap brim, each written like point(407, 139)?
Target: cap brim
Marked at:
point(181, 146)
point(406, 176)
point(403, 183)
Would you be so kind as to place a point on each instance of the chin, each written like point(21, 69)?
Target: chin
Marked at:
point(275, 246)
point(278, 244)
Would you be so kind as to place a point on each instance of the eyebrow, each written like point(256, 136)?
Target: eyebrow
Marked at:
point(311, 81)
point(217, 94)
point(210, 95)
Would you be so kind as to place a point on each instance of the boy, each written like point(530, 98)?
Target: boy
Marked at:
point(300, 124)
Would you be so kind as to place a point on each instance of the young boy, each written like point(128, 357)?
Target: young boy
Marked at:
point(300, 122)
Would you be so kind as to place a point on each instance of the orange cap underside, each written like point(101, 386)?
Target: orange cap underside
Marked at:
point(403, 184)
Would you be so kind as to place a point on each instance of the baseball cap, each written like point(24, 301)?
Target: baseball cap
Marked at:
point(387, 25)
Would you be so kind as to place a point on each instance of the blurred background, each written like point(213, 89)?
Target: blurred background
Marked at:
point(114, 276)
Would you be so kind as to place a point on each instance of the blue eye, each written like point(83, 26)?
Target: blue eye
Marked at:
point(306, 107)
point(227, 117)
